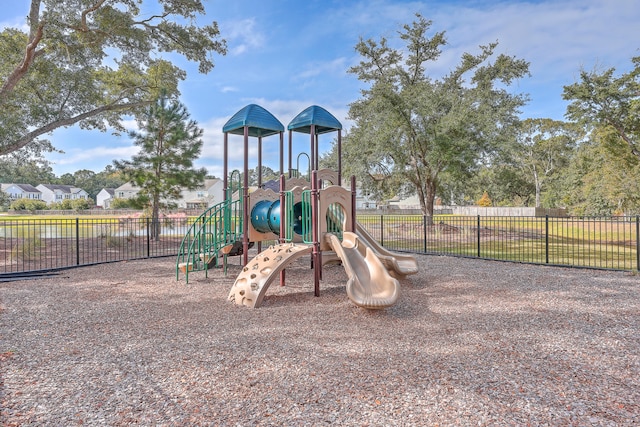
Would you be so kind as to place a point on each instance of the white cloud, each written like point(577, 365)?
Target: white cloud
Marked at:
point(337, 66)
point(555, 36)
point(16, 22)
point(107, 154)
point(130, 124)
point(242, 36)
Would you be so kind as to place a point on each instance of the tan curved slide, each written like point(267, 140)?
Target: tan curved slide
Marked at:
point(252, 283)
point(399, 265)
point(370, 285)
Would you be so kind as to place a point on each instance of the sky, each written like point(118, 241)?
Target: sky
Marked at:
point(289, 54)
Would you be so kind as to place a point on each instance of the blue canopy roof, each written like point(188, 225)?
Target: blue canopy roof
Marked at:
point(259, 121)
point(314, 115)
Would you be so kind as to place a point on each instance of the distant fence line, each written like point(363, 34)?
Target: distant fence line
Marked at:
point(474, 211)
point(607, 243)
point(103, 212)
point(389, 210)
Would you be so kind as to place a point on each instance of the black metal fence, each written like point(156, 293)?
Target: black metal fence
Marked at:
point(609, 243)
point(46, 244)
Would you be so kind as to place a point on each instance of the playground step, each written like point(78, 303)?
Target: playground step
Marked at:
point(184, 266)
point(204, 264)
point(209, 260)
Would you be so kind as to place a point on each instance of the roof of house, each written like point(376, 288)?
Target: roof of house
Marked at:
point(111, 191)
point(62, 188)
point(28, 188)
point(208, 183)
point(128, 186)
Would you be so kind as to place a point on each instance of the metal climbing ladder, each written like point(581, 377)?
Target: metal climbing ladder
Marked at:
point(215, 229)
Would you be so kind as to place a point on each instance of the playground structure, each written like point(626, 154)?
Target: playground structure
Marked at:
point(308, 217)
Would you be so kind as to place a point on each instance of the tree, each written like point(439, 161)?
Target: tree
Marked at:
point(543, 146)
point(5, 201)
point(506, 183)
point(27, 165)
point(601, 99)
point(410, 128)
point(90, 62)
point(602, 178)
point(164, 166)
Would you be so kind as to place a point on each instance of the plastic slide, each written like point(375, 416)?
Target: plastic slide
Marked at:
point(399, 265)
point(370, 285)
point(255, 278)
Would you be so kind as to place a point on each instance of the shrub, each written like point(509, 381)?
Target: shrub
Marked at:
point(28, 205)
point(81, 204)
point(63, 205)
point(121, 204)
point(484, 201)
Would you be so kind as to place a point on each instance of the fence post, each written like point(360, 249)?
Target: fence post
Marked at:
point(77, 242)
point(478, 233)
point(637, 243)
point(424, 227)
point(148, 238)
point(546, 238)
point(381, 230)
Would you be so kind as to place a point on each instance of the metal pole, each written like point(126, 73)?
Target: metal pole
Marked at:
point(225, 170)
point(546, 238)
point(290, 150)
point(259, 162)
point(283, 220)
point(148, 237)
point(317, 262)
point(637, 243)
point(313, 153)
point(77, 242)
point(353, 204)
point(315, 166)
point(478, 235)
point(424, 227)
point(281, 153)
point(339, 157)
point(245, 200)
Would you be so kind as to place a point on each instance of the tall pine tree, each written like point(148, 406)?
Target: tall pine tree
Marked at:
point(169, 143)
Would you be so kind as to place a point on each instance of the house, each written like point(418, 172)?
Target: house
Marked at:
point(54, 193)
point(209, 194)
point(126, 191)
point(364, 199)
point(105, 197)
point(410, 202)
point(21, 191)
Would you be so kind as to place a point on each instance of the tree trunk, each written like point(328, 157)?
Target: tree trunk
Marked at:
point(427, 195)
point(155, 218)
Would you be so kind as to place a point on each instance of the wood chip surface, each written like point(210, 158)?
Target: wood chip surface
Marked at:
point(470, 342)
